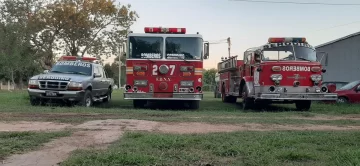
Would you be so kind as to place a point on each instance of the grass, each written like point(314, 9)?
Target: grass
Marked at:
point(15, 106)
point(239, 148)
point(18, 142)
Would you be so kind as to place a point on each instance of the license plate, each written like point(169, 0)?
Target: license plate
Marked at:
point(51, 94)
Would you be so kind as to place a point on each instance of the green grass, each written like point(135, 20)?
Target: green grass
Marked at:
point(239, 148)
point(18, 142)
point(15, 106)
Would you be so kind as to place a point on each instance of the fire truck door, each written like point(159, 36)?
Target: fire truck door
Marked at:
point(247, 62)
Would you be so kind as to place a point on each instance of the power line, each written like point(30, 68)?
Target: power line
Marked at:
point(301, 3)
point(338, 26)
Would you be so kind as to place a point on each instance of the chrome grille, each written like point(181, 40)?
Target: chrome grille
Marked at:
point(53, 85)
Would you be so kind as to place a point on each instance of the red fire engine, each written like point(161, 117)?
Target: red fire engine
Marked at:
point(285, 70)
point(165, 64)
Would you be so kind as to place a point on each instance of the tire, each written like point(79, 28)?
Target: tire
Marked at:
point(342, 100)
point(247, 103)
point(87, 100)
point(139, 103)
point(35, 101)
point(194, 105)
point(303, 105)
point(108, 94)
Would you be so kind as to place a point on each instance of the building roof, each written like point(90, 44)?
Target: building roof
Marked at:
point(337, 40)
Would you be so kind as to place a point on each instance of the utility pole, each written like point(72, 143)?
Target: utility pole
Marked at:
point(120, 53)
point(229, 45)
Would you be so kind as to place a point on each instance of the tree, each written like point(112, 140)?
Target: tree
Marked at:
point(94, 27)
point(209, 78)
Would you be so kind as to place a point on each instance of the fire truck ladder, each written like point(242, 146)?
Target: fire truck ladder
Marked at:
point(228, 65)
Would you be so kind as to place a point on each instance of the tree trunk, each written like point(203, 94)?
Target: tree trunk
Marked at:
point(21, 83)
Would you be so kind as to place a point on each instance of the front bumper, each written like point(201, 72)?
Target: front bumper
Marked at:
point(62, 95)
point(163, 96)
point(298, 96)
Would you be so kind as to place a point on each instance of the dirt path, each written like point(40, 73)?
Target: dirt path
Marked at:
point(100, 133)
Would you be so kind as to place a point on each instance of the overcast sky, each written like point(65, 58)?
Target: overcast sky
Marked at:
point(248, 24)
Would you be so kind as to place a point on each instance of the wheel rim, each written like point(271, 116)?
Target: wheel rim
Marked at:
point(88, 102)
point(341, 100)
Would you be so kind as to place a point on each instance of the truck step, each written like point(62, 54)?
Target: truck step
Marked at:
point(99, 98)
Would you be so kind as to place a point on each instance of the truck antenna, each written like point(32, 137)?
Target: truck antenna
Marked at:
point(229, 45)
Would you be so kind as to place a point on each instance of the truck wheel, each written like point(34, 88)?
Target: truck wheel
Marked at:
point(87, 100)
point(342, 100)
point(139, 103)
point(194, 105)
point(108, 96)
point(35, 101)
point(303, 105)
point(247, 103)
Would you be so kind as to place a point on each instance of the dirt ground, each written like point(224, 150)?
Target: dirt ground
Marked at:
point(100, 133)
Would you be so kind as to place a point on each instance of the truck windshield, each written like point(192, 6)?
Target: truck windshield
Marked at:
point(349, 85)
point(184, 48)
point(141, 47)
point(288, 53)
point(72, 68)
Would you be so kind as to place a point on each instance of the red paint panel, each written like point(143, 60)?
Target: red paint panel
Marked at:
point(289, 70)
point(159, 80)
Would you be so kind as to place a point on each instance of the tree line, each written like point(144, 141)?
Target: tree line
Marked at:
point(34, 33)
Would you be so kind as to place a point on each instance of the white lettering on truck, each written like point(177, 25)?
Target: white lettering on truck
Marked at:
point(295, 68)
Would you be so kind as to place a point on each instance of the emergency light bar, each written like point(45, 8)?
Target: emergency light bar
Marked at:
point(164, 30)
point(287, 40)
point(75, 58)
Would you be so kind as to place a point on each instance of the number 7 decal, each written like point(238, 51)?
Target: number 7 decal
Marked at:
point(172, 67)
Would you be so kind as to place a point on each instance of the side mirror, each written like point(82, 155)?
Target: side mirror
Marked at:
point(46, 71)
point(357, 88)
point(97, 75)
point(206, 50)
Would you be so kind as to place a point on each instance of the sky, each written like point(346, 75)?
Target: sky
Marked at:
point(248, 24)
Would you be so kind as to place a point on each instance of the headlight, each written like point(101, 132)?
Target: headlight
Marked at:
point(140, 82)
point(186, 83)
point(276, 77)
point(33, 82)
point(75, 84)
point(316, 77)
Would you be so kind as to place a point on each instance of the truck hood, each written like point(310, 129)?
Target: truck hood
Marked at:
point(61, 77)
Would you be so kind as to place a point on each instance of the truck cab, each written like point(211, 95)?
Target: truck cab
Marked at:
point(73, 80)
point(285, 70)
point(165, 64)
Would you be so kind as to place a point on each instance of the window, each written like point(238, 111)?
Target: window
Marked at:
point(141, 47)
point(288, 52)
point(72, 67)
point(184, 48)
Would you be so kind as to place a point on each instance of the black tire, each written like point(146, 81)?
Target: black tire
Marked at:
point(194, 105)
point(35, 101)
point(303, 105)
point(139, 103)
point(248, 102)
point(342, 100)
point(87, 100)
point(108, 96)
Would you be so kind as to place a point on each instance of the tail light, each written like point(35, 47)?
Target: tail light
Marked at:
point(276, 68)
point(140, 73)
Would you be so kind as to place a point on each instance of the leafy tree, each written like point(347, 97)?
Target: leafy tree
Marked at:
point(94, 27)
point(209, 76)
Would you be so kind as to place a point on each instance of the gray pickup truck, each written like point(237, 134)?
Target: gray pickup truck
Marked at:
point(75, 82)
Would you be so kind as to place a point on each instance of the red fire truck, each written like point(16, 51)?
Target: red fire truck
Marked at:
point(165, 64)
point(285, 70)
